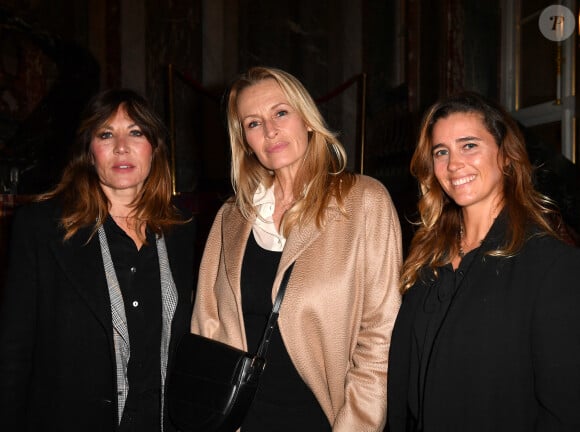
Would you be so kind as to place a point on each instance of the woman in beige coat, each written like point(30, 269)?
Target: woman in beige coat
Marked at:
point(295, 203)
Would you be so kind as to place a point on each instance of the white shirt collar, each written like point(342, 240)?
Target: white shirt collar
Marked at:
point(264, 231)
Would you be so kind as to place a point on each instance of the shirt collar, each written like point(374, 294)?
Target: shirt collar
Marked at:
point(265, 233)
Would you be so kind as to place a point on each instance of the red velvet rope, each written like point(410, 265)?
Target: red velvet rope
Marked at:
point(338, 89)
point(332, 94)
point(196, 85)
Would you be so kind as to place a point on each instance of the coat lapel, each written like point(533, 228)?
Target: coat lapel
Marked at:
point(302, 237)
point(298, 240)
point(235, 238)
point(83, 265)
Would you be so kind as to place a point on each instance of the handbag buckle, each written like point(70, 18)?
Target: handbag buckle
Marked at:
point(255, 369)
point(258, 364)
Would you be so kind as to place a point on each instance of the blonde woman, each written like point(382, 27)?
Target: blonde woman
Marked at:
point(295, 202)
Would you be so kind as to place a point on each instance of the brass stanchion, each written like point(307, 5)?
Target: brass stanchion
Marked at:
point(172, 138)
point(362, 96)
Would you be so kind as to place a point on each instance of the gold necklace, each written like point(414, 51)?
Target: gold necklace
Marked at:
point(461, 240)
point(125, 217)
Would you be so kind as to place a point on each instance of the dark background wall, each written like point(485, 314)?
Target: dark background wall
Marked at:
point(182, 55)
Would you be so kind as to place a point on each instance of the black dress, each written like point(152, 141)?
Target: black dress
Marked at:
point(283, 401)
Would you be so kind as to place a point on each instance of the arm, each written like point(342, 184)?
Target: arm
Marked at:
point(18, 322)
point(556, 343)
point(366, 382)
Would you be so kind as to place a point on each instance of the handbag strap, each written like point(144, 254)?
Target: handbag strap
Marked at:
point(272, 320)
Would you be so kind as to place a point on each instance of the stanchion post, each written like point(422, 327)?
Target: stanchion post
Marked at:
point(172, 134)
point(361, 121)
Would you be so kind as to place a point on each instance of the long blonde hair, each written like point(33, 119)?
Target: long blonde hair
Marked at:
point(435, 241)
point(79, 191)
point(323, 174)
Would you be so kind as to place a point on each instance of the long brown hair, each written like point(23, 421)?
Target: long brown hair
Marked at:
point(323, 174)
point(83, 201)
point(435, 241)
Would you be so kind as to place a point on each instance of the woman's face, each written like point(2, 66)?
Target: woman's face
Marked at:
point(273, 129)
point(121, 155)
point(465, 161)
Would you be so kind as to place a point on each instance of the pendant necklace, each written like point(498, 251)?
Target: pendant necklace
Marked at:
point(460, 241)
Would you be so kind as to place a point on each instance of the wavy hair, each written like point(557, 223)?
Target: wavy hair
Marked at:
point(321, 177)
point(79, 190)
point(435, 241)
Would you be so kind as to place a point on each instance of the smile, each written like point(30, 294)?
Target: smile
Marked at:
point(463, 180)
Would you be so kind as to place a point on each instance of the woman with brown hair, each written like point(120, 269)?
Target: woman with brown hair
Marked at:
point(99, 284)
point(488, 335)
point(295, 203)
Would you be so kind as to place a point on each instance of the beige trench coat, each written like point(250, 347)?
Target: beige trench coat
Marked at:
point(340, 305)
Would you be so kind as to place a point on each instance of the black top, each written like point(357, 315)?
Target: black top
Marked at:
point(283, 401)
point(57, 360)
point(492, 346)
point(138, 274)
point(428, 322)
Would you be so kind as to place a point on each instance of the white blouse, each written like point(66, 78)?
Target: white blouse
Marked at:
point(264, 230)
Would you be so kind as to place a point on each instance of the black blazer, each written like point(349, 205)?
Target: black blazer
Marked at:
point(57, 360)
point(503, 357)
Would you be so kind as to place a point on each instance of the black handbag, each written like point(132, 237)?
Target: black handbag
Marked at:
point(211, 385)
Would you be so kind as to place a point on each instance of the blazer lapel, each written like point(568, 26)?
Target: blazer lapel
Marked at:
point(178, 260)
point(83, 265)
